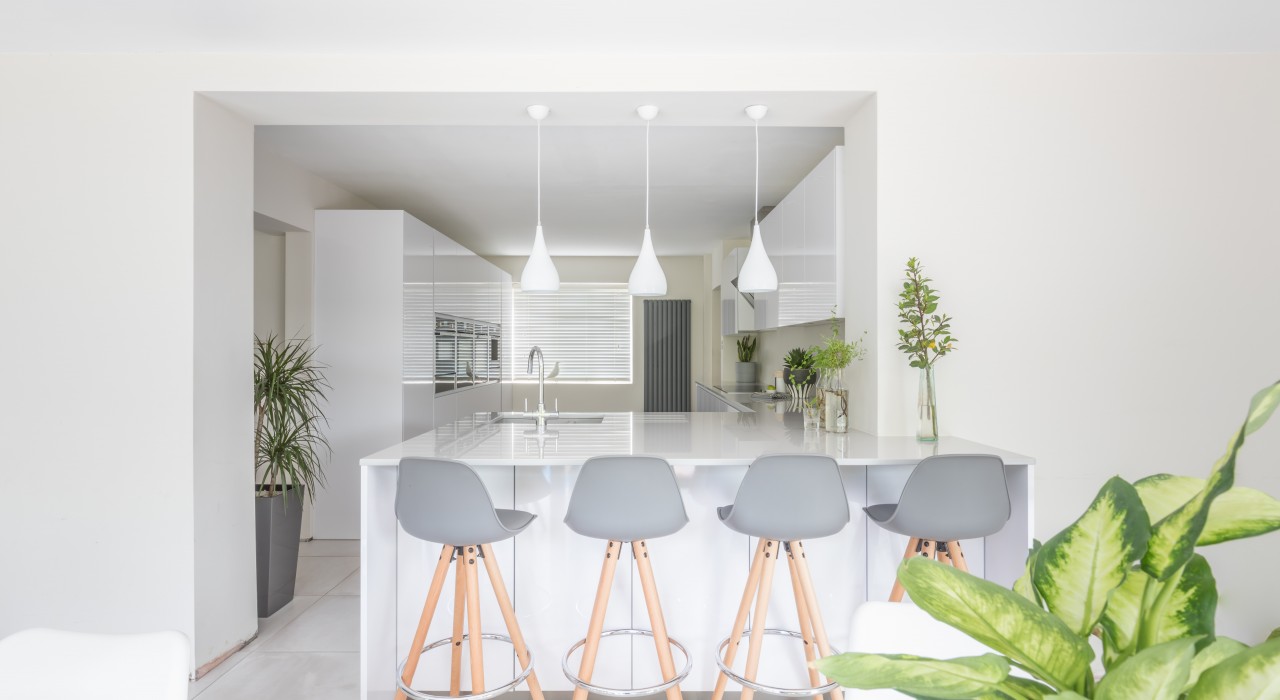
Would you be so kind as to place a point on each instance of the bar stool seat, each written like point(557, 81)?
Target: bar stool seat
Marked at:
point(946, 499)
point(783, 499)
point(444, 501)
point(626, 499)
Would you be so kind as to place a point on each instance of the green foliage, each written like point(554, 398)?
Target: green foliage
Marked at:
point(834, 353)
point(746, 348)
point(927, 335)
point(798, 358)
point(1127, 570)
point(288, 389)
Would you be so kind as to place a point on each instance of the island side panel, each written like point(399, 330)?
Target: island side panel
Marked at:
point(557, 572)
point(1007, 549)
point(378, 583)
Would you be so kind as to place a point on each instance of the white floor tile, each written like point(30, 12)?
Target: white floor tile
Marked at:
point(349, 586)
point(318, 575)
point(331, 624)
point(330, 548)
point(290, 676)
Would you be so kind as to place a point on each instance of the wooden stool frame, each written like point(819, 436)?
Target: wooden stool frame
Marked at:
point(595, 628)
point(946, 552)
point(467, 604)
point(812, 630)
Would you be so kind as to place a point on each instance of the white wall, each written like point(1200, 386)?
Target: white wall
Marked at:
point(268, 284)
point(225, 567)
point(686, 279)
point(1102, 228)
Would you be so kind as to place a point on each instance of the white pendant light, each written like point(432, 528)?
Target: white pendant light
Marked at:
point(539, 273)
point(757, 274)
point(647, 279)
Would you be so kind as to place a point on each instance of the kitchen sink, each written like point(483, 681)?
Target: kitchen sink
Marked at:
point(553, 420)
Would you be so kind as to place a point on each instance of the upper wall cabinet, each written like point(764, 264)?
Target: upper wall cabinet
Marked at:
point(737, 313)
point(803, 238)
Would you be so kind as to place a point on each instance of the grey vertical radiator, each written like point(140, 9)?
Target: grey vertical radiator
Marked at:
point(668, 381)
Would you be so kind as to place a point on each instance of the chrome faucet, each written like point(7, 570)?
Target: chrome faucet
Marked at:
point(541, 413)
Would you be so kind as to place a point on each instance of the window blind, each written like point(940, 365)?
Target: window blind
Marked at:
point(584, 327)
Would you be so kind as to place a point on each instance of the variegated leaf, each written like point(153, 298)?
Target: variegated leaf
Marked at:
point(1157, 673)
point(1024, 586)
point(1252, 674)
point(1173, 539)
point(1215, 653)
point(965, 677)
point(1182, 606)
point(1001, 619)
point(1078, 568)
point(1238, 513)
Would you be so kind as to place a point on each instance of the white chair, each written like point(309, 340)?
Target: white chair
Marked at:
point(44, 664)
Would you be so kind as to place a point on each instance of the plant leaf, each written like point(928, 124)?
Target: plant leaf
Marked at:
point(1001, 619)
point(1186, 609)
point(1023, 586)
point(1066, 695)
point(1158, 673)
point(1238, 513)
point(1173, 539)
point(915, 675)
point(1218, 651)
point(1078, 568)
point(1247, 675)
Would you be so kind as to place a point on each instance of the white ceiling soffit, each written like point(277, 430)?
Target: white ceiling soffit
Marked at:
point(476, 183)
point(713, 27)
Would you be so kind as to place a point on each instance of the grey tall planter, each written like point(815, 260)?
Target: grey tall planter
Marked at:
point(745, 373)
point(279, 526)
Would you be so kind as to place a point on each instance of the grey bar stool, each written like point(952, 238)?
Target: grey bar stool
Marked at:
point(440, 500)
point(626, 499)
point(947, 498)
point(782, 500)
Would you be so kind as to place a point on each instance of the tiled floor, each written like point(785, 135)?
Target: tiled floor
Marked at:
point(310, 649)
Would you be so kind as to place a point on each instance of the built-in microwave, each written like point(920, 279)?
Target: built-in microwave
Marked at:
point(468, 353)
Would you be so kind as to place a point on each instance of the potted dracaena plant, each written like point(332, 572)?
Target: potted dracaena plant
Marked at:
point(927, 337)
point(289, 454)
point(745, 369)
point(1126, 571)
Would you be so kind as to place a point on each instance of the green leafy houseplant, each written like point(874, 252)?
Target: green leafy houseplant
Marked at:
point(746, 348)
point(834, 354)
point(798, 364)
point(288, 389)
point(927, 337)
point(1127, 571)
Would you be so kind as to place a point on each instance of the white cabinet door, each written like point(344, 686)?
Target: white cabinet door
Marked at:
point(822, 245)
point(729, 294)
point(792, 285)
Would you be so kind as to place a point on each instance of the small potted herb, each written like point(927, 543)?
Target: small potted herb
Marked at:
point(799, 368)
point(745, 370)
point(829, 359)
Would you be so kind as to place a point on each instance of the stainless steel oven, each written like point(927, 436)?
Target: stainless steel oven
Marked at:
point(468, 353)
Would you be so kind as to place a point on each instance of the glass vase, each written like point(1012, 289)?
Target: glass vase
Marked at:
point(927, 407)
point(835, 402)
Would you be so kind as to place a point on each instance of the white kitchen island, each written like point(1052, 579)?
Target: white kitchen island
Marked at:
point(552, 573)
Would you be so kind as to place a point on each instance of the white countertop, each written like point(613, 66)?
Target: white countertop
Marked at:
point(684, 439)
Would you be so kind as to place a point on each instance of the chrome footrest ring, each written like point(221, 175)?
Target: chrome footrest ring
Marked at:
point(628, 692)
point(771, 690)
point(486, 695)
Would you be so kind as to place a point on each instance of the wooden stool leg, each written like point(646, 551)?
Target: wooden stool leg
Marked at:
point(896, 595)
point(596, 625)
point(806, 625)
point(459, 616)
point(509, 616)
point(656, 621)
point(815, 613)
point(957, 556)
point(740, 622)
point(942, 551)
point(473, 621)
point(428, 611)
point(757, 619)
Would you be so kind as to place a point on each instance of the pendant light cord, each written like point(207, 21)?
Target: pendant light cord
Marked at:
point(756, 212)
point(646, 175)
point(540, 172)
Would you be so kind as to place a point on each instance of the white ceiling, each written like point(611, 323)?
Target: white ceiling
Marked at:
point(656, 26)
point(477, 183)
